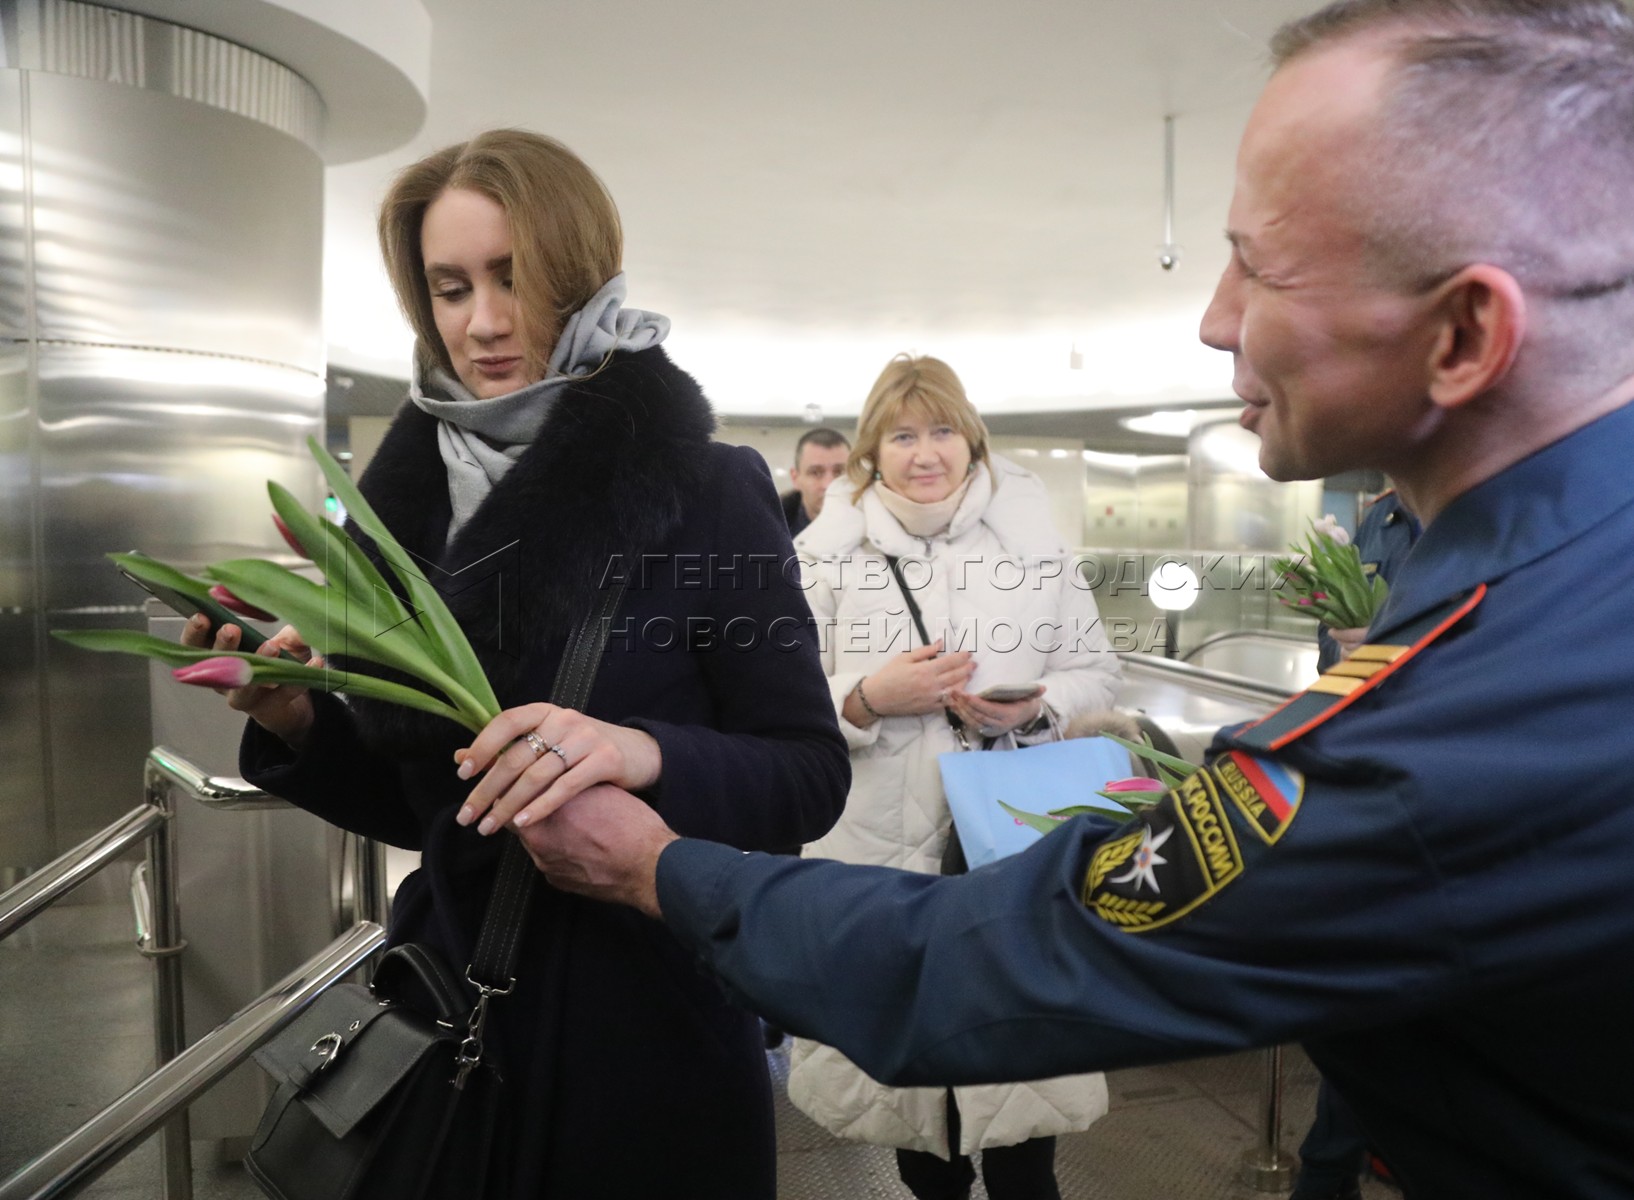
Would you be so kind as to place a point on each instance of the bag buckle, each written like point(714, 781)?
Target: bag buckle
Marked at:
point(328, 1049)
point(470, 1051)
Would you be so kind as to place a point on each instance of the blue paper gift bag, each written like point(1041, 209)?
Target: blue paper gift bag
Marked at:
point(1034, 778)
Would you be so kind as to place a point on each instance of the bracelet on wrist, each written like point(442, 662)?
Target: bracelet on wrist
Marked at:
point(1037, 725)
point(862, 699)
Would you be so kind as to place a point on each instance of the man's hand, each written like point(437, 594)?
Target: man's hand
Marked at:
point(1350, 640)
point(603, 843)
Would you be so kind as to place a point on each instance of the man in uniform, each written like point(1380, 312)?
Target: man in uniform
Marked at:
point(1420, 868)
point(1387, 532)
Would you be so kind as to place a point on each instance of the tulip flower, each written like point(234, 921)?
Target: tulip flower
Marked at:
point(228, 672)
point(1140, 783)
point(1132, 795)
point(288, 536)
point(400, 624)
point(1328, 581)
point(222, 596)
point(1329, 527)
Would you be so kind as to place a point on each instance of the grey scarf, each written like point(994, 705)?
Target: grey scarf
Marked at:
point(481, 439)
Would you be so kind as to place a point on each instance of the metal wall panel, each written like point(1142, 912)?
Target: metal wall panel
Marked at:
point(167, 223)
point(17, 569)
point(97, 728)
point(26, 840)
point(1233, 505)
point(25, 826)
point(164, 453)
point(13, 292)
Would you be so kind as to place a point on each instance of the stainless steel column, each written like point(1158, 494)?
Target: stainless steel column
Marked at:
point(161, 354)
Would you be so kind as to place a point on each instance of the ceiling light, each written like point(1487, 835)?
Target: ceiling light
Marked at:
point(1173, 586)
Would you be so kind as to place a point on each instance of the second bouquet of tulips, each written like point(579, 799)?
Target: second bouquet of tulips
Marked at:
point(357, 615)
point(1328, 581)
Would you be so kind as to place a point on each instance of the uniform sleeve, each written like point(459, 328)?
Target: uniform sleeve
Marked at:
point(333, 776)
point(771, 771)
point(1066, 958)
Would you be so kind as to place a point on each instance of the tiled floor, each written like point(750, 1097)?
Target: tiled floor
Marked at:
point(75, 1031)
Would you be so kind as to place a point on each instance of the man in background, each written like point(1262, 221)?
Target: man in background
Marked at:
point(819, 459)
point(1387, 532)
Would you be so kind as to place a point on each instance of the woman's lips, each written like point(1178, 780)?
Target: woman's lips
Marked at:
point(496, 367)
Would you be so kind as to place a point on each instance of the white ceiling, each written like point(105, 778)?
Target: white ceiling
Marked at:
point(809, 188)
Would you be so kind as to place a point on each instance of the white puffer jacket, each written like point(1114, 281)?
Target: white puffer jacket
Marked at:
point(997, 583)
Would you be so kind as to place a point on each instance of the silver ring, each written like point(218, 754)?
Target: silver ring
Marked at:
point(537, 744)
point(559, 753)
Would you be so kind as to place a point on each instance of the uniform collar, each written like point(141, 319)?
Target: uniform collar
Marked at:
point(1522, 513)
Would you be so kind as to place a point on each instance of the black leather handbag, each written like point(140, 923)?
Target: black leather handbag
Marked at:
point(383, 1092)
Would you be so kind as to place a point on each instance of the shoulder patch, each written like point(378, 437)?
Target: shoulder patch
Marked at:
point(1346, 682)
point(1186, 848)
point(1177, 855)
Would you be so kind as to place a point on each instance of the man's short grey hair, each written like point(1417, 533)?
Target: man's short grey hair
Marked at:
point(1506, 136)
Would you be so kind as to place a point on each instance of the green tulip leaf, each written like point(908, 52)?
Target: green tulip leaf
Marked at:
point(1179, 766)
point(265, 669)
point(1032, 820)
point(333, 625)
point(423, 595)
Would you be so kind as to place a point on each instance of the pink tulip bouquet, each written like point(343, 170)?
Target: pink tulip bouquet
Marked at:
point(355, 613)
point(1327, 581)
point(1134, 795)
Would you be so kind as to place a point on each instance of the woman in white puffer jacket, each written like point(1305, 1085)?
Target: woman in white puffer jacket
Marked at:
point(993, 582)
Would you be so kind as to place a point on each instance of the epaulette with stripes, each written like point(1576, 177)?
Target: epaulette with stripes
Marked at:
point(1346, 682)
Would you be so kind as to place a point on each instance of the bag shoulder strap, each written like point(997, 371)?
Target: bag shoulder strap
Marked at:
point(493, 962)
point(894, 562)
point(954, 723)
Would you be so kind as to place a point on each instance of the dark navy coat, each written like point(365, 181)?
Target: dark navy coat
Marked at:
point(1426, 874)
point(630, 1075)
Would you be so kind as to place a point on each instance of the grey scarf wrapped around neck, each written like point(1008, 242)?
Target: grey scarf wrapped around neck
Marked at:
point(481, 439)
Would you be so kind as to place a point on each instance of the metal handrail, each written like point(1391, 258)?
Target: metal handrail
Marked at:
point(1265, 1166)
point(1188, 673)
point(20, 904)
point(181, 1075)
point(212, 791)
point(107, 1137)
point(1303, 641)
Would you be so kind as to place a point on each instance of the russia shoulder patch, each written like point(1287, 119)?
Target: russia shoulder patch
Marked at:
point(1265, 791)
point(1178, 854)
point(1185, 849)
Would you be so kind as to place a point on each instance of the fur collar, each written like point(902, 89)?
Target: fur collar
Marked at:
point(610, 474)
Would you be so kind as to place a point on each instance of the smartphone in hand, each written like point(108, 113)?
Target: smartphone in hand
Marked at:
point(217, 614)
point(1009, 693)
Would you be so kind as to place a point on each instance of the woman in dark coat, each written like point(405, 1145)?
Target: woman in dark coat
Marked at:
point(526, 480)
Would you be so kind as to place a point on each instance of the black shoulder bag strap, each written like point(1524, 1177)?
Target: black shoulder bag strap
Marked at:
point(954, 723)
point(492, 970)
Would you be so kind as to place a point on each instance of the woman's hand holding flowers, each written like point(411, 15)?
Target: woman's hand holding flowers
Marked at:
point(283, 710)
point(529, 778)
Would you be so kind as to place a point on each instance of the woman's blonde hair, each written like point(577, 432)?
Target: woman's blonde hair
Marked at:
point(566, 239)
point(926, 384)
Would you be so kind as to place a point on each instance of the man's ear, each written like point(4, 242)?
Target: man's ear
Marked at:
point(1483, 315)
